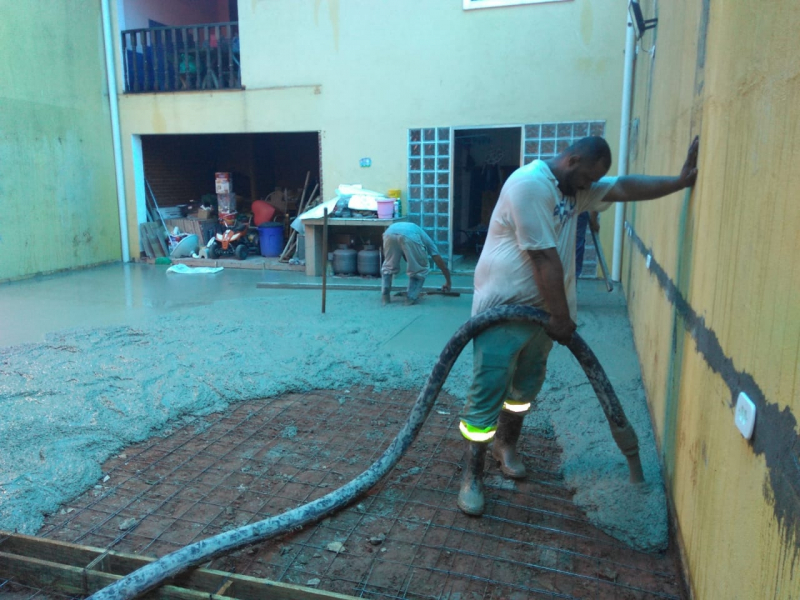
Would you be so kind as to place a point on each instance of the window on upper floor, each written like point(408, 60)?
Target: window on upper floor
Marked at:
point(180, 45)
point(474, 4)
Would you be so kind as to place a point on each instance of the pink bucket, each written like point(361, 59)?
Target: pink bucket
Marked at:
point(385, 208)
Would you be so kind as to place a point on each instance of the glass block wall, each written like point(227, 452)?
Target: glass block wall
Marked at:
point(429, 156)
point(429, 183)
point(545, 140)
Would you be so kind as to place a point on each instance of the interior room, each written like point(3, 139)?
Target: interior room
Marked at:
point(483, 160)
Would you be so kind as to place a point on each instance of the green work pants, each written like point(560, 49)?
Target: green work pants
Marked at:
point(509, 363)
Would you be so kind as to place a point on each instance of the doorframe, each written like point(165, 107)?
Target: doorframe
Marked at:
point(451, 179)
point(140, 198)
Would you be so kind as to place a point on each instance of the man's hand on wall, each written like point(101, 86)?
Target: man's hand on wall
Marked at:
point(689, 171)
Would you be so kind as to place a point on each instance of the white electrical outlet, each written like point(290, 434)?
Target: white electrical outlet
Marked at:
point(745, 415)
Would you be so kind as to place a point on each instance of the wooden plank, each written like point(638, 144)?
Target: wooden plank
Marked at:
point(356, 222)
point(251, 588)
point(75, 569)
point(148, 231)
point(154, 234)
point(148, 249)
point(160, 235)
point(47, 575)
point(34, 572)
point(50, 550)
point(354, 287)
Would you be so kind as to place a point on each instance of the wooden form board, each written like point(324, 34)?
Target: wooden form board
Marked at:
point(153, 237)
point(73, 569)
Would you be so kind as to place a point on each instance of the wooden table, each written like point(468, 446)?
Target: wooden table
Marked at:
point(313, 228)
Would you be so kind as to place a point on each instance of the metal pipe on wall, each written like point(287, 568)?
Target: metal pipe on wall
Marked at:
point(111, 78)
point(624, 132)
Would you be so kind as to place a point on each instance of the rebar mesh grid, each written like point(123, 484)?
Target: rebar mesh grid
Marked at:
point(405, 539)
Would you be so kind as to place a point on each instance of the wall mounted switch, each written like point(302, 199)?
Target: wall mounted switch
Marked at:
point(745, 415)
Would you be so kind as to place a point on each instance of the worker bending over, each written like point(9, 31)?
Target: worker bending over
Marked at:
point(529, 260)
point(409, 241)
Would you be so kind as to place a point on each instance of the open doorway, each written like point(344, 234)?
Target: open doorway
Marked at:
point(483, 158)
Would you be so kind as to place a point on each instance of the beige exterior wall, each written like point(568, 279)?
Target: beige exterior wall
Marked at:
point(363, 72)
point(727, 71)
point(57, 188)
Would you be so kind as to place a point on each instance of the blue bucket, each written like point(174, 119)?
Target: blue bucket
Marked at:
point(270, 238)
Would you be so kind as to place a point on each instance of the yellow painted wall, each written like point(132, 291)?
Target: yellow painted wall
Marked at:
point(57, 187)
point(363, 72)
point(728, 71)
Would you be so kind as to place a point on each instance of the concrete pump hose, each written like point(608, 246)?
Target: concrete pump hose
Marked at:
point(169, 566)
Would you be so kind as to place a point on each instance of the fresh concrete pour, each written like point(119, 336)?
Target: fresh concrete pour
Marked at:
point(85, 394)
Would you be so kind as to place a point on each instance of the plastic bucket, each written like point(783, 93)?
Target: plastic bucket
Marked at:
point(385, 208)
point(270, 238)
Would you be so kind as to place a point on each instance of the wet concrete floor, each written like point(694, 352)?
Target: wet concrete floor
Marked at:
point(130, 294)
point(170, 371)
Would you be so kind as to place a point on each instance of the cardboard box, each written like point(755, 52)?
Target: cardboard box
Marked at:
point(204, 213)
point(223, 187)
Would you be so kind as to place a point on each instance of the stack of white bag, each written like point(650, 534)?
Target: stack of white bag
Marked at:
point(357, 198)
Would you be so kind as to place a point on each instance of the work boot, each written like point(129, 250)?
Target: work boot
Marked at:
point(414, 288)
point(386, 288)
point(470, 496)
point(504, 449)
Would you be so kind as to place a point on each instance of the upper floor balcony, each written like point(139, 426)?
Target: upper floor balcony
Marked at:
point(179, 59)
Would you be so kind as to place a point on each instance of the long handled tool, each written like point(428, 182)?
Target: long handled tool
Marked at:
point(324, 257)
point(432, 292)
point(602, 258)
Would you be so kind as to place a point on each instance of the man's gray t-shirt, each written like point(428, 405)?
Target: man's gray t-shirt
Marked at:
point(416, 234)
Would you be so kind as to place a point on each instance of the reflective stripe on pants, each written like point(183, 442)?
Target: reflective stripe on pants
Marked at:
point(516, 407)
point(477, 434)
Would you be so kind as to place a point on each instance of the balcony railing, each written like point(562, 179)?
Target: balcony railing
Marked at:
point(177, 59)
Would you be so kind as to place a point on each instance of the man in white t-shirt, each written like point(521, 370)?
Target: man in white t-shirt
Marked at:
point(529, 259)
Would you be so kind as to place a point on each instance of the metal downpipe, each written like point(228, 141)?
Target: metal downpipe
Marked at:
point(113, 102)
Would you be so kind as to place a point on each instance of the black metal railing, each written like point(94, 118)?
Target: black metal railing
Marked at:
point(177, 59)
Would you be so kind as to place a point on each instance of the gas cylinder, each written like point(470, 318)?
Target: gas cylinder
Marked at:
point(369, 261)
point(344, 260)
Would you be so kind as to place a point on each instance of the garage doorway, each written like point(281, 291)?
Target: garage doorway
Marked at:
point(178, 172)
